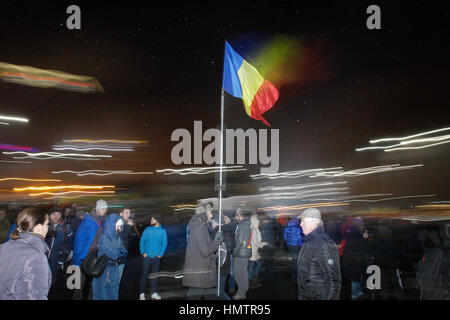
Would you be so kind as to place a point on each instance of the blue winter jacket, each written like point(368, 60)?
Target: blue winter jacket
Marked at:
point(153, 241)
point(83, 239)
point(110, 242)
point(11, 230)
point(293, 234)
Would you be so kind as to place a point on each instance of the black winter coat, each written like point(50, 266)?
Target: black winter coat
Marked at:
point(356, 257)
point(242, 238)
point(318, 270)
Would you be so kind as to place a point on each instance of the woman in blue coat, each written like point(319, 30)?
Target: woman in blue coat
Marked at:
point(106, 287)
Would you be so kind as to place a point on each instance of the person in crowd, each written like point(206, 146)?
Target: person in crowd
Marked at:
point(125, 213)
point(293, 237)
point(386, 255)
point(86, 239)
point(106, 287)
point(255, 261)
point(200, 268)
point(5, 224)
point(153, 245)
point(242, 252)
point(24, 270)
point(318, 270)
point(331, 229)
point(356, 258)
point(231, 281)
point(228, 242)
point(60, 242)
point(267, 252)
point(77, 219)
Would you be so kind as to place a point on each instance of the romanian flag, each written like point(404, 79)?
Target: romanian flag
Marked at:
point(35, 77)
point(242, 80)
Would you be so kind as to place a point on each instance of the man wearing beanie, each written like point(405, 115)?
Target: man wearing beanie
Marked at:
point(86, 238)
point(318, 269)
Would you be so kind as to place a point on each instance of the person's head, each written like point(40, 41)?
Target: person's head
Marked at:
point(101, 207)
point(33, 220)
point(80, 214)
point(310, 220)
point(154, 221)
point(125, 213)
point(55, 214)
point(242, 214)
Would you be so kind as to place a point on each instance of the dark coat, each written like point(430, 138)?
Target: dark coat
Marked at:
point(24, 270)
point(318, 270)
point(60, 242)
point(228, 239)
point(200, 269)
point(356, 256)
point(242, 239)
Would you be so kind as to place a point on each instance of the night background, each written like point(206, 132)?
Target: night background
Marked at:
point(161, 68)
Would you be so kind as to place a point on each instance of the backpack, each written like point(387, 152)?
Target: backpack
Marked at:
point(433, 273)
point(93, 265)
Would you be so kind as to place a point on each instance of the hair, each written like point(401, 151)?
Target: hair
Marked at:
point(125, 208)
point(28, 219)
point(57, 209)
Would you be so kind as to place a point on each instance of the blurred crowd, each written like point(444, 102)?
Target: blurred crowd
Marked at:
point(225, 256)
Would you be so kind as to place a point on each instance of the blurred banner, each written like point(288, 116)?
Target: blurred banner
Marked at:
point(35, 77)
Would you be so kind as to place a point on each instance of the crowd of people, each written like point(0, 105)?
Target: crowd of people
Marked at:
point(40, 243)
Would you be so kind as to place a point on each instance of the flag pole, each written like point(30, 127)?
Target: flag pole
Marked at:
point(220, 178)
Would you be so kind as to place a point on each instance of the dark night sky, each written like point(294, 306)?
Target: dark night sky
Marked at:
point(161, 69)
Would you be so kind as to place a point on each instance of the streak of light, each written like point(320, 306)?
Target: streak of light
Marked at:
point(101, 172)
point(425, 219)
point(291, 174)
point(305, 206)
point(179, 207)
point(92, 148)
point(5, 123)
point(415, 148)
point(440, 202)
point(395, 198)
point(9, 118)
point(301, 186)
point(107, 140)
point(304, 192)
point(434, 206)
point(409, 137)
point(308, 196)
point(17, 148)
point(26, 179)
point(365, 171)
point(67, 192)
point(62, 187)
point(89, 195)
point(402, 143)
point(51, 155)
point(12, 161)
point(203, 170)
point(5, 190)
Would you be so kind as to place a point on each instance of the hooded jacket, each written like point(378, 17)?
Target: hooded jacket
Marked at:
point(318, 270)
point(24, 270)
point(110, 242)
point(200, 268)
point(293, 234)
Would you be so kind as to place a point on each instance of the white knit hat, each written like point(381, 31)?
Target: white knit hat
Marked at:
point(101, 204)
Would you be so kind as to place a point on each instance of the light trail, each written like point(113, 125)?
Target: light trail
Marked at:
point(10, 118)
point(82, 196)
point(68, 192)
point(101, 172)
point(107, 140)
point(301, 186)
point(304, 206)
point(4, 123)
point(291, 174)
point(415, 148)
point(91, 148)
point(200, 171)
point(409, 137)
point(56, 155)
point(365, 171)
point(12, 161)
point(62, 187)
point(26, 179)
point(394, 198)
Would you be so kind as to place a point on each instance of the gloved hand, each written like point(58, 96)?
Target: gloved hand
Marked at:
point(219, 237)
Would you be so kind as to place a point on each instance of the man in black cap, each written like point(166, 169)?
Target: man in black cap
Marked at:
point(318, 269)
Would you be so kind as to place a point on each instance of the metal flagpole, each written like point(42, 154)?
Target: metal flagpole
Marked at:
point(220, 186)
point(220, 176)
